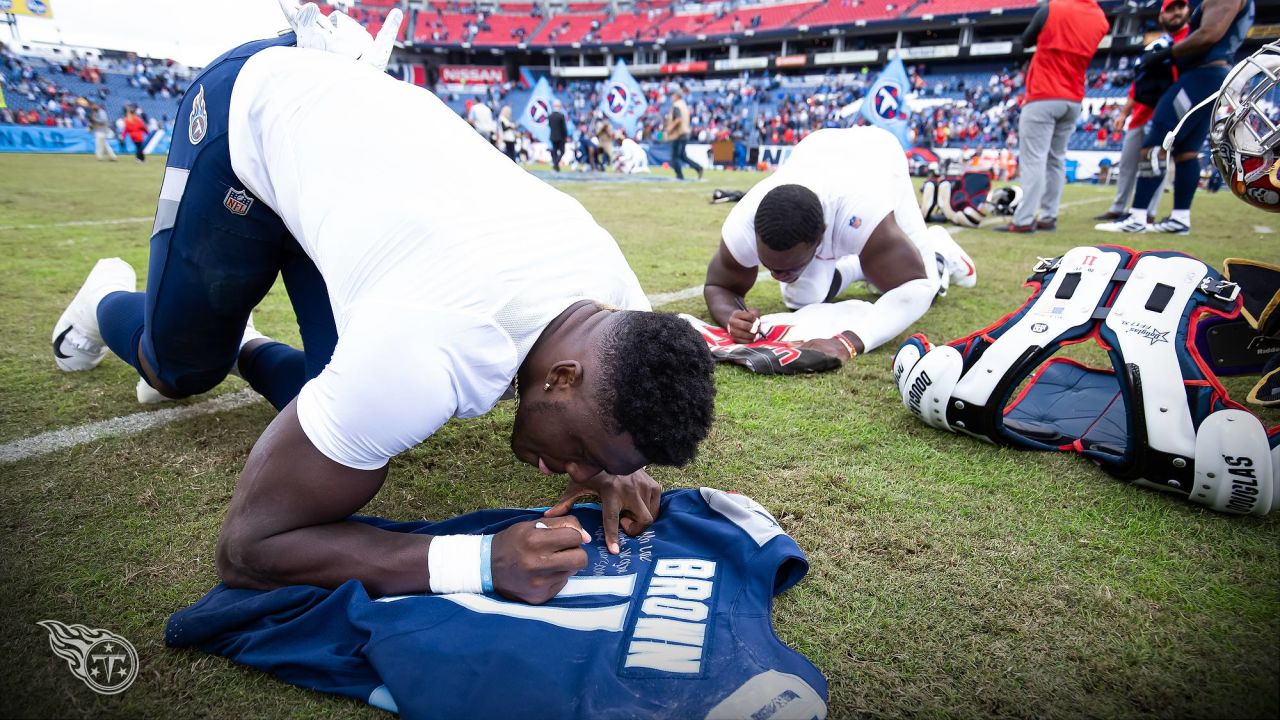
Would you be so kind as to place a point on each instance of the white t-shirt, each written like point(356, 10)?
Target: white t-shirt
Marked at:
point(481, 117)
point(858, 175)
point(444, 261)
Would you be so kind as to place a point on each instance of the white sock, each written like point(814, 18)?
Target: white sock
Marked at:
point(1182, 216)
point(1138, 216)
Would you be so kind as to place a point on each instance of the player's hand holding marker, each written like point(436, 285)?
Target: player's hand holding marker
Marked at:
point(744, 324)
point(630, 501)
point(340, 34)
point(532, 561)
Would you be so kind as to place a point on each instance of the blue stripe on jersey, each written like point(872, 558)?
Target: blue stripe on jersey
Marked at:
point(676, 625)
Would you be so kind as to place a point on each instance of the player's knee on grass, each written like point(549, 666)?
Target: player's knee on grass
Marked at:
point(185, 385)
point(239, 559)
point(180, 384)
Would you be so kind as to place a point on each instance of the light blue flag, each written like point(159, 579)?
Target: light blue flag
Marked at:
point(623, 102)
point(886, 106)
point(537, 111)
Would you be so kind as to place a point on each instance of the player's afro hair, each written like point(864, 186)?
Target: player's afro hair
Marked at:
point(789, 215)
point(657, 384)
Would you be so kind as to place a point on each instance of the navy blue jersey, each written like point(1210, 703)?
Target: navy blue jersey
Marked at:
point(677, 625)
point(1228, 45)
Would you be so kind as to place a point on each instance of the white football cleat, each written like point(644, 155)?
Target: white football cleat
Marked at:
point(1127, 225)
point(77, 343)
point(148, 395)
point(963, 273)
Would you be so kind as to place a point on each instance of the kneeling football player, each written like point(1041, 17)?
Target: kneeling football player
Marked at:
point(841, 209)
point(418, 298)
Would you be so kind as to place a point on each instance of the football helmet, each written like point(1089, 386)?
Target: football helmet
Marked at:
point(1245, 131)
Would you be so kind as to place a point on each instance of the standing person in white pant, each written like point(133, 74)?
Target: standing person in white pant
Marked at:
point(100, 123)
point(842, 208)
point(1173, 19)
point(1066, 34)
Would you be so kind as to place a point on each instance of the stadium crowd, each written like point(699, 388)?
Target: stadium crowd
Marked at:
point(951, 111)
point(49, 102)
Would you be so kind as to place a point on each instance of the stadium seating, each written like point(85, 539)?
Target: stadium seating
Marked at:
point(566, 29)
point(628, 26)
point(683, 24)
point(967, 7)
point(759, 19)
point(841, 12)
point(441, 28)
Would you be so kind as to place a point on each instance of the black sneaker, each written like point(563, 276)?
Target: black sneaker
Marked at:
point(1111, 216)
point(719, 196)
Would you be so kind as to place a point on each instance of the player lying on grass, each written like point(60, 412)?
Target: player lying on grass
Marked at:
point(841, 209)
point(428, 273)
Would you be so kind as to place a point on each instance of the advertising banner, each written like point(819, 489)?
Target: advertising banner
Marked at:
point(33, 8)
point(472, 75)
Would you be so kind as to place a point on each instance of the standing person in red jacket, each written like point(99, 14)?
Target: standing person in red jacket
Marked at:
point(136, 130)
point(1066, 34)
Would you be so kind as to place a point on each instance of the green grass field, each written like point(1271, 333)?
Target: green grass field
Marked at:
point(949, 578)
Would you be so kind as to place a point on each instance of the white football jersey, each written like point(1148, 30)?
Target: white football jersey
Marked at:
point(444, 260)
point(859, 174)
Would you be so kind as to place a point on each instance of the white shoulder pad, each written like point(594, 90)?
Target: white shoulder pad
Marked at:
point(928, 197)
point(1145, 316)
point(745, 513)
point(906, 358)
point(1235, 471)
point(926, 387)
point(972, 216)
point(774, 695)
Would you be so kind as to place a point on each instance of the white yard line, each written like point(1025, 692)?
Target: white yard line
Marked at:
point(80, 223)
point(1262, 229)
point(55, 440)
point(45, 443)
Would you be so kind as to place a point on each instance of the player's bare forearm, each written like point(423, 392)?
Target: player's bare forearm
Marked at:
point(287, 522)
point(721, 303)
point(727, 285)
point(388, 563)
point(1214, 22)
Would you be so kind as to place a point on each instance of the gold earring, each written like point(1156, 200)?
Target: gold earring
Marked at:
point(546, 387)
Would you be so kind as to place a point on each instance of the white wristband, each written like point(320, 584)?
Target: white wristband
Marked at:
point(454, 564)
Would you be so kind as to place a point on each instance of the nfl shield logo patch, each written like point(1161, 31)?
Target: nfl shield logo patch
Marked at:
point(198, 123)
point(237, 201)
